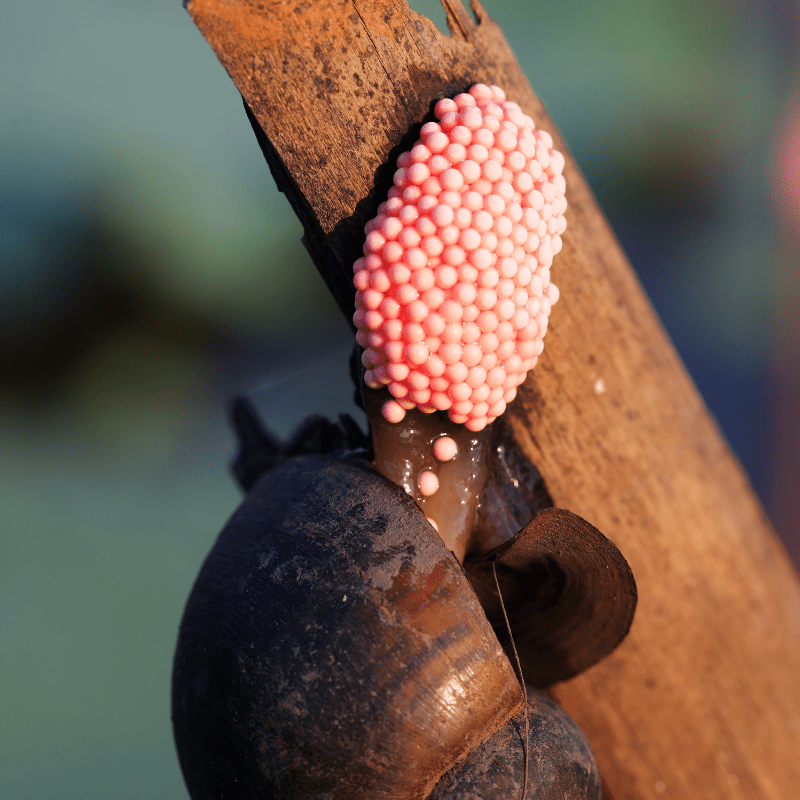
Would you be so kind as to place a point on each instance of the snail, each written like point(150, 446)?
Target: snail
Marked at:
point(333, 647)
point(352, 632)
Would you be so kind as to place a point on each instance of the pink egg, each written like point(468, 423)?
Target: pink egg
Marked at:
point(413, 332)
point(452, 179)
point(445, 448)
point(482, 258)
point(432, 246)
point(465, 407)
point(436, 141)
point(393, 411)
point(434, 324)
point(441, 401)
point(480, 394)
point(471, 354)
point(420, 397)
point(445, 106)
point(455, 373)
point(460, 392)
point(464, 293)
point(491, 170)
point(392, 327)
point(449, 235)
point(450, 352)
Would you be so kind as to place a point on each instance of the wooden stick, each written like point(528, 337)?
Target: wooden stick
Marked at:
point(702, 700)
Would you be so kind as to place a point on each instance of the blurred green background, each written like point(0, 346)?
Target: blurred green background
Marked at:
point(149, 269)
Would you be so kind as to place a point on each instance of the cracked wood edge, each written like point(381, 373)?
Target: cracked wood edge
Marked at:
point(702, 698)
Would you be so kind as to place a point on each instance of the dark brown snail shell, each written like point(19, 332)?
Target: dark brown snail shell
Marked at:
point(332, 647)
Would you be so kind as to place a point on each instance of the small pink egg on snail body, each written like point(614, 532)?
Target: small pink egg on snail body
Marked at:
point(428, 483)
point(445, 448)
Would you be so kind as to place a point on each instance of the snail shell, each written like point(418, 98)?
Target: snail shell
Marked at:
point(332, 647)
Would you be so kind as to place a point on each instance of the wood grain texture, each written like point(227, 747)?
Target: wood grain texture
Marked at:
point(702, 699)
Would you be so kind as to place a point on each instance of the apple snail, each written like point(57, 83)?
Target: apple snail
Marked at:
point(350, 633)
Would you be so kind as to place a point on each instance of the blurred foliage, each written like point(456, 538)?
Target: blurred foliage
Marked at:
point(149, 268)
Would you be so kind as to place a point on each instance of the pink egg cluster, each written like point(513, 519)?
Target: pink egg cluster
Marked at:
point(453, 291)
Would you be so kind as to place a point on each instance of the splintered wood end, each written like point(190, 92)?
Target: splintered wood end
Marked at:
point(337, 90)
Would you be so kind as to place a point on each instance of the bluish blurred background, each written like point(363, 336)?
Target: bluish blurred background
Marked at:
point(149, 269)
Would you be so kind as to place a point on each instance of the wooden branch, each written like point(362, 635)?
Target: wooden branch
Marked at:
point(702, 700)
